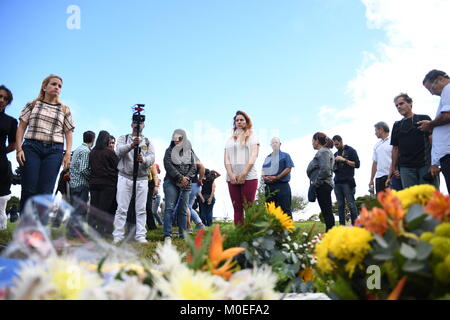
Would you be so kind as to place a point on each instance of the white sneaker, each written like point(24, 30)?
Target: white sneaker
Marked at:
point(117, 241)
point(167, 240)
point(141, 240)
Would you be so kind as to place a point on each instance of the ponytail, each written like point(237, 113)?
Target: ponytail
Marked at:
point(323, 140)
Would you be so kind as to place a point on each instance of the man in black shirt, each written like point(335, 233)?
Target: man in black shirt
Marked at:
point(411, 147)
point(346, 160)
point(8, 127)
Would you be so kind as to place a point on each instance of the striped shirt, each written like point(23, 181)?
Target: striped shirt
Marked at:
point(79, 167)
point(47, 122)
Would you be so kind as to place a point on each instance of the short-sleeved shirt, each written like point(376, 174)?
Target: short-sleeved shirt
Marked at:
point(382, 155)
point(239, 155)
point(47, 122)
point(441, 134)
point(274, 169)
point(413, 144)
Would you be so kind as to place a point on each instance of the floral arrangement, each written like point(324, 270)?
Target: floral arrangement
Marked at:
point(270, 237)
point(97, 270)
point(398, 251)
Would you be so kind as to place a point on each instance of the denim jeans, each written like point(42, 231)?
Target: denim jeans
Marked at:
point(175, 198)
point(196, 189)
point(281, 195)
point(344, 193)
point(79, 215)
point(414, 176)
point(206, 210)
point(40, 171)
point(445, 168)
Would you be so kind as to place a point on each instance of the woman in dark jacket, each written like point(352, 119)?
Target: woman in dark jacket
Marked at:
point(180, 168)
point(320, 174)
point(103, 184)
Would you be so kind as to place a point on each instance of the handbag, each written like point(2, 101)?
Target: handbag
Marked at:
point(312, 193)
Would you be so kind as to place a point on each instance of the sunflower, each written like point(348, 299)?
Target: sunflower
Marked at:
point(285, 221)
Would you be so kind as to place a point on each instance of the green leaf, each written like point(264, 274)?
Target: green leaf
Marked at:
point(413, 266)
point(380, 241)
point(383, 256)
point(407, 251)
point(414, 212)
point(423, 250)
point(268, 244)
point(343, 289)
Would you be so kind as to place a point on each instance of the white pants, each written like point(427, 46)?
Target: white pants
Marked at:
point(124, 192)
point(3, 202)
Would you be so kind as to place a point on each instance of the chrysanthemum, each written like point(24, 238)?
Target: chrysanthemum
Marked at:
point(187, 284)
point(419, 194)
point(285, 221)
point(129, 289)
point(345, 243)
point(32, 283)
point(168, 258)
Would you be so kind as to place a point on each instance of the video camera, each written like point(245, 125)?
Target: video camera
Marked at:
point(137, 116)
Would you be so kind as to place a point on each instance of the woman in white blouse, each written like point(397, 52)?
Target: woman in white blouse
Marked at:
point(241, 151)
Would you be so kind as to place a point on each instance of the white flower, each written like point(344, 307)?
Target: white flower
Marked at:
point(32, 283)
point(187, 284)
point(295, 246)
point(257, 284)
point(129, 289)
point(168, 259)
point(305, 234)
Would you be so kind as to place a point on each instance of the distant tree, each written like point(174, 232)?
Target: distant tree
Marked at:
point(298, 203)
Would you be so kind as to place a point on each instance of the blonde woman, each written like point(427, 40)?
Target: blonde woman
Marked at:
point(241, 152)
point(44, 122)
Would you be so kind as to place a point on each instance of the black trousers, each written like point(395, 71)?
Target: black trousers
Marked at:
point(103, 206)
point(380, 184)
point(281, 195)
point(324, 198)
point(445, 168)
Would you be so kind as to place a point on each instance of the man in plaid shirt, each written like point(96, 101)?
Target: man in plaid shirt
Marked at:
point(79, 168)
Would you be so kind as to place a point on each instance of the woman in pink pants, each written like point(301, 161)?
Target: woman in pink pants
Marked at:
point(241, 151)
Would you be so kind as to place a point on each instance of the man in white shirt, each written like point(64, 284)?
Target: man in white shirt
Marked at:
point(438, 83)
point(381, 157)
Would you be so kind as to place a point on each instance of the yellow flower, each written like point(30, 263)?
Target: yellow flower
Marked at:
point(70, 279)
point(419, 194)
point(285, 220)
point(345, 243)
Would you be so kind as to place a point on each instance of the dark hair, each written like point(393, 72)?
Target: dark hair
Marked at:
point(337, 138)
point(112, 138)
point(247, 119)
point(323, 139)
point(405, 97)
point(102, 140)
point(88, 137)
point(433, 75)
point(10, 96)
point(382, 125)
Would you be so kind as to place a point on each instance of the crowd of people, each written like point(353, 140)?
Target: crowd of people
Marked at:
point(122, 184)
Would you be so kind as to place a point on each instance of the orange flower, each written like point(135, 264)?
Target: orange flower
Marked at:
point(439, 206)
point(393, 207)
point(197, 243)
point(395, 294)
point(375, 221)
point(217, 255)
point(391, 204)
point(306, 274)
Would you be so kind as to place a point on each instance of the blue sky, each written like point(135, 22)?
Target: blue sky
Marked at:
point(187, 60)
point(296, 67)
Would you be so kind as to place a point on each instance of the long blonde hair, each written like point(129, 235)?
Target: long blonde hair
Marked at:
point(41, 95)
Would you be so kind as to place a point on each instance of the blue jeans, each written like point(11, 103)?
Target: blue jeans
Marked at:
point(414, 176)
point(281, 195)
point(343, 193)
point(206, 210)
point(175, 197)
point(79, 214)
point(196, 189)
point(40, 171)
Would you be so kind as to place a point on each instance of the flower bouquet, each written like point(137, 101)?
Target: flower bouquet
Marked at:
point(399, 251)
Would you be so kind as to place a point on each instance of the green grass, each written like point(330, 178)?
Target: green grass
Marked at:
point(147, 251)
